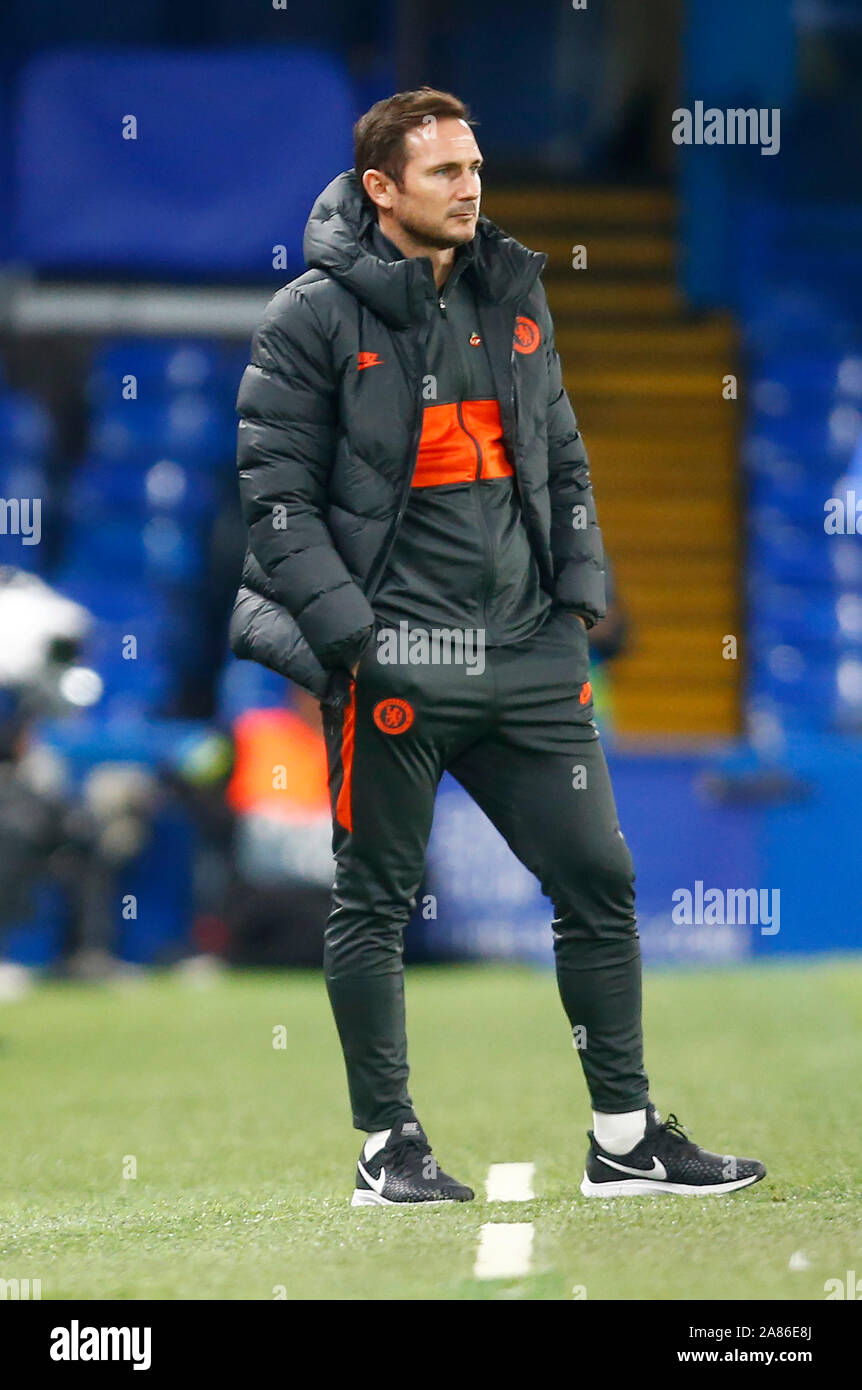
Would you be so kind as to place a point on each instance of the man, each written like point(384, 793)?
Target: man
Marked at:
point(424, 556)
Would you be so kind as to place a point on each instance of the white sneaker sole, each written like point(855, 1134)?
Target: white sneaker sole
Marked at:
point(363, 1198)
point(633, 1187)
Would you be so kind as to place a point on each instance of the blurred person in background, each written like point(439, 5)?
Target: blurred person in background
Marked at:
point(278, 901)
point(51, 831)
point(408, 455)
point(611, 637)
point(258, 798)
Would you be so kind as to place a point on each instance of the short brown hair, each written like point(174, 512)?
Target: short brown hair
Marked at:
point(378, 136)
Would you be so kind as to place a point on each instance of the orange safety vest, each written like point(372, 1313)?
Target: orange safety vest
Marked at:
point(279, 767)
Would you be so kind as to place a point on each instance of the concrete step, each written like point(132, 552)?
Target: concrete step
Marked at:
point(613, 485)
point(660, 597)
point(695, 646)
point(644, 455)
point(519, 209)
point(606, 252)
point(696, 420)
point(691, 381)
point(710, 338)
point(667, 569)
point(673, 712)
point(642, 523)
point(585, 296)
point(646, 378)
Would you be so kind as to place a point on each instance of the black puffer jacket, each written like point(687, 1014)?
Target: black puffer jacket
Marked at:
point(327, 450)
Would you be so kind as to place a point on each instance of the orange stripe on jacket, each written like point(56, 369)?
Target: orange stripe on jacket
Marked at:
point(447, 453)
point(343, 808)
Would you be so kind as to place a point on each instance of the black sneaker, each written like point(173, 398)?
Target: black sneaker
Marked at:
point(405, 1171)
point(665, 1160)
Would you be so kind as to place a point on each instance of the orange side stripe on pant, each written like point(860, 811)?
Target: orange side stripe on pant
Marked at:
point(343, 809)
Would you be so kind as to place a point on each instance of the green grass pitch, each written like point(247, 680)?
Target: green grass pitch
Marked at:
point(244, 1153)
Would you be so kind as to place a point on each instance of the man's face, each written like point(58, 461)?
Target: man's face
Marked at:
point(438, 202)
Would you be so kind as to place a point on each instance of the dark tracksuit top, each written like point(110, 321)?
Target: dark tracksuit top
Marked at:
point(462, 557)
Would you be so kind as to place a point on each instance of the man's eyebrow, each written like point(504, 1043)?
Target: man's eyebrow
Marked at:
point(454, 164)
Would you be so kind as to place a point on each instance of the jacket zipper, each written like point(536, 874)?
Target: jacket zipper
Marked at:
point(383, 559)
point(475, 485)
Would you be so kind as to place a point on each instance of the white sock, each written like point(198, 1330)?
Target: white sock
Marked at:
point(375, 1142)
point(618, 1134)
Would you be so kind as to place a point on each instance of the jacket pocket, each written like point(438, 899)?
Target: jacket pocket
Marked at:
point(578, 637)
point(574, 621)
point(342, 681)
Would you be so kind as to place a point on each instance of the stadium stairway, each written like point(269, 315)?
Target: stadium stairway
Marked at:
point(646, 380)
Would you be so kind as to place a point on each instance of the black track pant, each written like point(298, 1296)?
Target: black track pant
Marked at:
point(520, 739)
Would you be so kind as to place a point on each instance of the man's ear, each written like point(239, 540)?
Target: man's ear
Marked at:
point(377, 185)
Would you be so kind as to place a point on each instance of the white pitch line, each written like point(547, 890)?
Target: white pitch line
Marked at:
point(510, 1182)
point(505, 1250)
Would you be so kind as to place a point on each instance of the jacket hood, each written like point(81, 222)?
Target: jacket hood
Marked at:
point(338, 241)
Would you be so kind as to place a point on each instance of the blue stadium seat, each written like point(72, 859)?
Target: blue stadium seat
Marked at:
point(792, 493)
point(848, 696)
point(23, 476)
point(133, 690)
point(247, 685)
point(845, 562)
point(784, 550)
point(777, 318)
point(101, 487)
point(106, 642)
point(817, 606)
point(161, 367)
point(120, 601)
point(828, 434)
point(799, 250)
point(25, 426)
point(13, 551)
point(188, 428)
point(161, 550)
point(762, 455)
point(801, 370)
point(795, 677)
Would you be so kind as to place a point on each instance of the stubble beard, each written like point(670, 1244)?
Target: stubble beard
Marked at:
point(435, 240)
